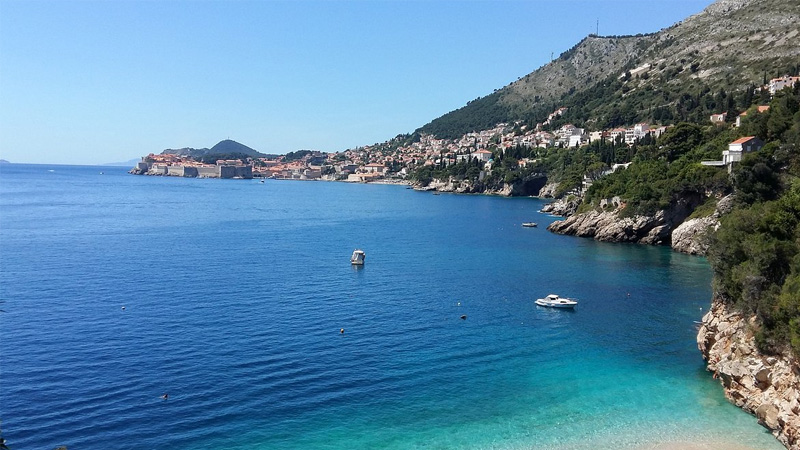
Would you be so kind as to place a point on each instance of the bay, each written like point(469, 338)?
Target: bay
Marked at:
point(235, 292)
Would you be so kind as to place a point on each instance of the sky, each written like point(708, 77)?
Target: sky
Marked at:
point(94, 82)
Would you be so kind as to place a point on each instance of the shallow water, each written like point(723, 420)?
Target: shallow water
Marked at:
point(235, 293)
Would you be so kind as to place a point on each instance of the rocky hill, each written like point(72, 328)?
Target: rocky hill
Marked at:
point(731, 45)
point(223, 147)
point(538, 93)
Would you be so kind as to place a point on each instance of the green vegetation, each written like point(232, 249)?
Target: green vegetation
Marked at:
point(228, 146)
point(295, 156)
point(667, 169)
point(756, 252)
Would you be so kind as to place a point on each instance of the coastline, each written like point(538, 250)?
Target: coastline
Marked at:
point(603, 398)
point(766, 386)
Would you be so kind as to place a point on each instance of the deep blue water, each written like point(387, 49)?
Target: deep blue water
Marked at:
point(235, 292)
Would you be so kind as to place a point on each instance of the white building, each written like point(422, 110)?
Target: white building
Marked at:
point(637, 132)
point(776, 84)
point(576, 140)
point(375, 168)
point(482, 155)
point(738, 148)
point(718, 118)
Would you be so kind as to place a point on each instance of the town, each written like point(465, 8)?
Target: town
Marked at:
point(396, 159)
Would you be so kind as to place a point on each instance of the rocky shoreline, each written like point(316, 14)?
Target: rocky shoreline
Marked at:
point(528, 187)
point(767, 386)
point(665, 227)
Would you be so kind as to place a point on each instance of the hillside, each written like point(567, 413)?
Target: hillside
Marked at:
point(729, 46)
point(224, 147)
point(229, 146)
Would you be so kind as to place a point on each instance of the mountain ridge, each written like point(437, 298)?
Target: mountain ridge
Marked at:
point(730, 45)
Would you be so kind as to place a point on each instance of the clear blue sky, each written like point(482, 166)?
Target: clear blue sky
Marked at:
point(92, 82)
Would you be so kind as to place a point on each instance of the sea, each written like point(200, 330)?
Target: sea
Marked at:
point(237, 300)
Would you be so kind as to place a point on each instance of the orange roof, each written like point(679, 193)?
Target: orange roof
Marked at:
point(743, 140)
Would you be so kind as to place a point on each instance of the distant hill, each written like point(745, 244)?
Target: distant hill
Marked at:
point(229, 146)
point(128, 163)
point(223, 147)
point(3, 161)
point(731, 46)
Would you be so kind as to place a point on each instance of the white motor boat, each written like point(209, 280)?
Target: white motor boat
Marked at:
point(554, 301)
point(358, 258)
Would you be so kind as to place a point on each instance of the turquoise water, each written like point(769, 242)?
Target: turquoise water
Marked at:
point(235, 293)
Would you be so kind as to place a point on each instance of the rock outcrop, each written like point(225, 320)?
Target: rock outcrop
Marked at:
point(766, 386)
point(451, 185)
point(529, 186)
point(666, 227)
point(692, 235)
point(564, 207)
point(548, 190)
point(607, 226)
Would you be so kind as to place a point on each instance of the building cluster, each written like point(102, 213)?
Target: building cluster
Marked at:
point(480, 145)
point(776, 84)
point(395, 160)
point(379, 161)
point(179, 166)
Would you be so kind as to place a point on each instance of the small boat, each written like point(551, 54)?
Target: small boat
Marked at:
point(358, 258)
point(554, 301)
point(529, 224)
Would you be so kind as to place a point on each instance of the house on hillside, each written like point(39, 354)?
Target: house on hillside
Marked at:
point(598, 135)
point(616, 133)
point(638, 131)
point(761, 109)
point(776, 84)
point(718, 118)
point(482, 155)
point(738, 148)
point(576, 140)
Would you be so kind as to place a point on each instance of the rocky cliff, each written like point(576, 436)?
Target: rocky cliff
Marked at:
point(530, 186)
point(565, 206)
point(766, 386)
point(609, 225)
point(666, 227)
